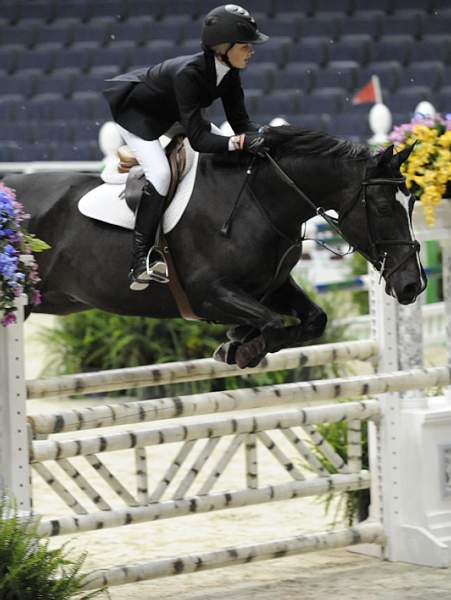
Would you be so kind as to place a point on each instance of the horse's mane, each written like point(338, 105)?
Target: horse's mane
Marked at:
point(287, 139)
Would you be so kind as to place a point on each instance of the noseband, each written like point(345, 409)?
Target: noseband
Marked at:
point(376, 257)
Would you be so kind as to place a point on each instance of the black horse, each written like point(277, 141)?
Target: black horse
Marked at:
point(241, 278)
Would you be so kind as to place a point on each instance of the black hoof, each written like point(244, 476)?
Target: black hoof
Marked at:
point(226, 353)
point(251, 353)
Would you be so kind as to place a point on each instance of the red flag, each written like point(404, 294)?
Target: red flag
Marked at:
point(371, 92)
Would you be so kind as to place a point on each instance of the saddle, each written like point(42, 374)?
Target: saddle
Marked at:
point(176, 154)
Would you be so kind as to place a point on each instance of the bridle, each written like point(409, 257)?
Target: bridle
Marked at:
point(377, 257)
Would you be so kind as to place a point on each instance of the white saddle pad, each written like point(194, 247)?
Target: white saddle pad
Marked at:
point(106, 203)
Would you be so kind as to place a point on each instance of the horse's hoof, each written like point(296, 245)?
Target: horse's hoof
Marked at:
point(251, 353)
point(226, 353)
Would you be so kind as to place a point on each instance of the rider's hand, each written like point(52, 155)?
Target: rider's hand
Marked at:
point(254, 142)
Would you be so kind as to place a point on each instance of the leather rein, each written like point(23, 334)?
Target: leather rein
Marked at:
point(376, 257)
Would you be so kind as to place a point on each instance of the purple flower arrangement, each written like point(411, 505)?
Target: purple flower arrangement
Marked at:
point(18, 268)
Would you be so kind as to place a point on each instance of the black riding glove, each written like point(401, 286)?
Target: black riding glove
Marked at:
point(254, 142)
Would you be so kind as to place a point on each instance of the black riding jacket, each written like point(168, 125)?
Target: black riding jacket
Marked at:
point(149, 101)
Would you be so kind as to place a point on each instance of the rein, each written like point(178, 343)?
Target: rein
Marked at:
point(376, 259)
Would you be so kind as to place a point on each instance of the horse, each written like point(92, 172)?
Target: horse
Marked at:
point(238, 275)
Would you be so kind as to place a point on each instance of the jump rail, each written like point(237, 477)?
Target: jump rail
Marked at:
point(409, 447)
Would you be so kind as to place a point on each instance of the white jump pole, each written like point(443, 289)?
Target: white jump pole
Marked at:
point(14, 450)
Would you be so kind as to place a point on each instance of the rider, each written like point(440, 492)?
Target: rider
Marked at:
point(145, 103)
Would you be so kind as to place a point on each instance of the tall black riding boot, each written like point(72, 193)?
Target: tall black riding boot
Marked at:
point(146, 264)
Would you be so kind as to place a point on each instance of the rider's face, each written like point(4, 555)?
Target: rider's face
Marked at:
point(239, 55)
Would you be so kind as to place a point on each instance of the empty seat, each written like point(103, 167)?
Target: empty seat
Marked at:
point(393, 47)
point(368, 22)
point(315, 50)
point(325, 100)
point(189, 8)
point(307, 7)
point(279, 102)
point(11, 10)
point(276, 50)
point(442, 101)
point(285, 25)
point(325, 24)
point(389, 74)
point(401, 24)
point(15, 132)
point(422, 5)
point(75, 151)
point(9, 56)
point(86, 130)
point(117, 9)
point(434, 47)
point(36, 151)
point(96, 30)
point(43, 106)
point(350, 125)
point(437, 23)
point(90, 83)
point(80, 9)
point(428, 73)
point(10, 106)
point(341, 74)
point(253, 6)
point(60, 31)
point(137, 30)
point(156, 52)
point(342, 6)
point(152, 8)
point(59, 83)
point(365, 5)
point(406, 99)
point(298, 76)
point(22, 86)
point(172, 29)
point(79, 55)
point(117, 55)
point(41, 9)
point(22, 35)
point(258, 76)
point(51, 131)
point(41, 58)
point(351, 47)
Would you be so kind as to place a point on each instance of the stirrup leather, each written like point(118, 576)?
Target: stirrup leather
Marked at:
point(158, 271)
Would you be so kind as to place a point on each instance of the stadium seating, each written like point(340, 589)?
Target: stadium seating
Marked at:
point(55, 56)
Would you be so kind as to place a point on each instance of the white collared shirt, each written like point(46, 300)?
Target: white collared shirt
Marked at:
point(221, 70)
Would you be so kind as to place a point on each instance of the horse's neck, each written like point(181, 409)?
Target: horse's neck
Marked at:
point(322, 181)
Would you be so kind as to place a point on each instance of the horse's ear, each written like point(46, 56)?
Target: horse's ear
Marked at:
point(386, 156)
point(402, 156)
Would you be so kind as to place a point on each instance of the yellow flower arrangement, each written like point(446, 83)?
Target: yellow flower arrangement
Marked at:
point(428, 168)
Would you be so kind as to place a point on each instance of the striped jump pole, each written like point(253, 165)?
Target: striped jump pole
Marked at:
point(196, 370)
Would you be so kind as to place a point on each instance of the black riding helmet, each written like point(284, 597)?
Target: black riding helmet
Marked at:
point(230, 24)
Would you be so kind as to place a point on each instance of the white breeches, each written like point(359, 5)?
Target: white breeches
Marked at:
point(151, 156)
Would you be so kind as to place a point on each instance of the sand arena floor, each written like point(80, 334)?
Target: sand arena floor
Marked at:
point(318, 576)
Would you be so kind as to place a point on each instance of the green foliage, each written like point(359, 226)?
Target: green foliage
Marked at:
point(351, 505)
point(29, 570)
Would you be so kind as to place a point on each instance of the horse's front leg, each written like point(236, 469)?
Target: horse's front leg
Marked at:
point(228, 303)
point(290, 299)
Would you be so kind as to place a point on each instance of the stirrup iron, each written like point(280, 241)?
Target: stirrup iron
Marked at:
point(159, 270)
